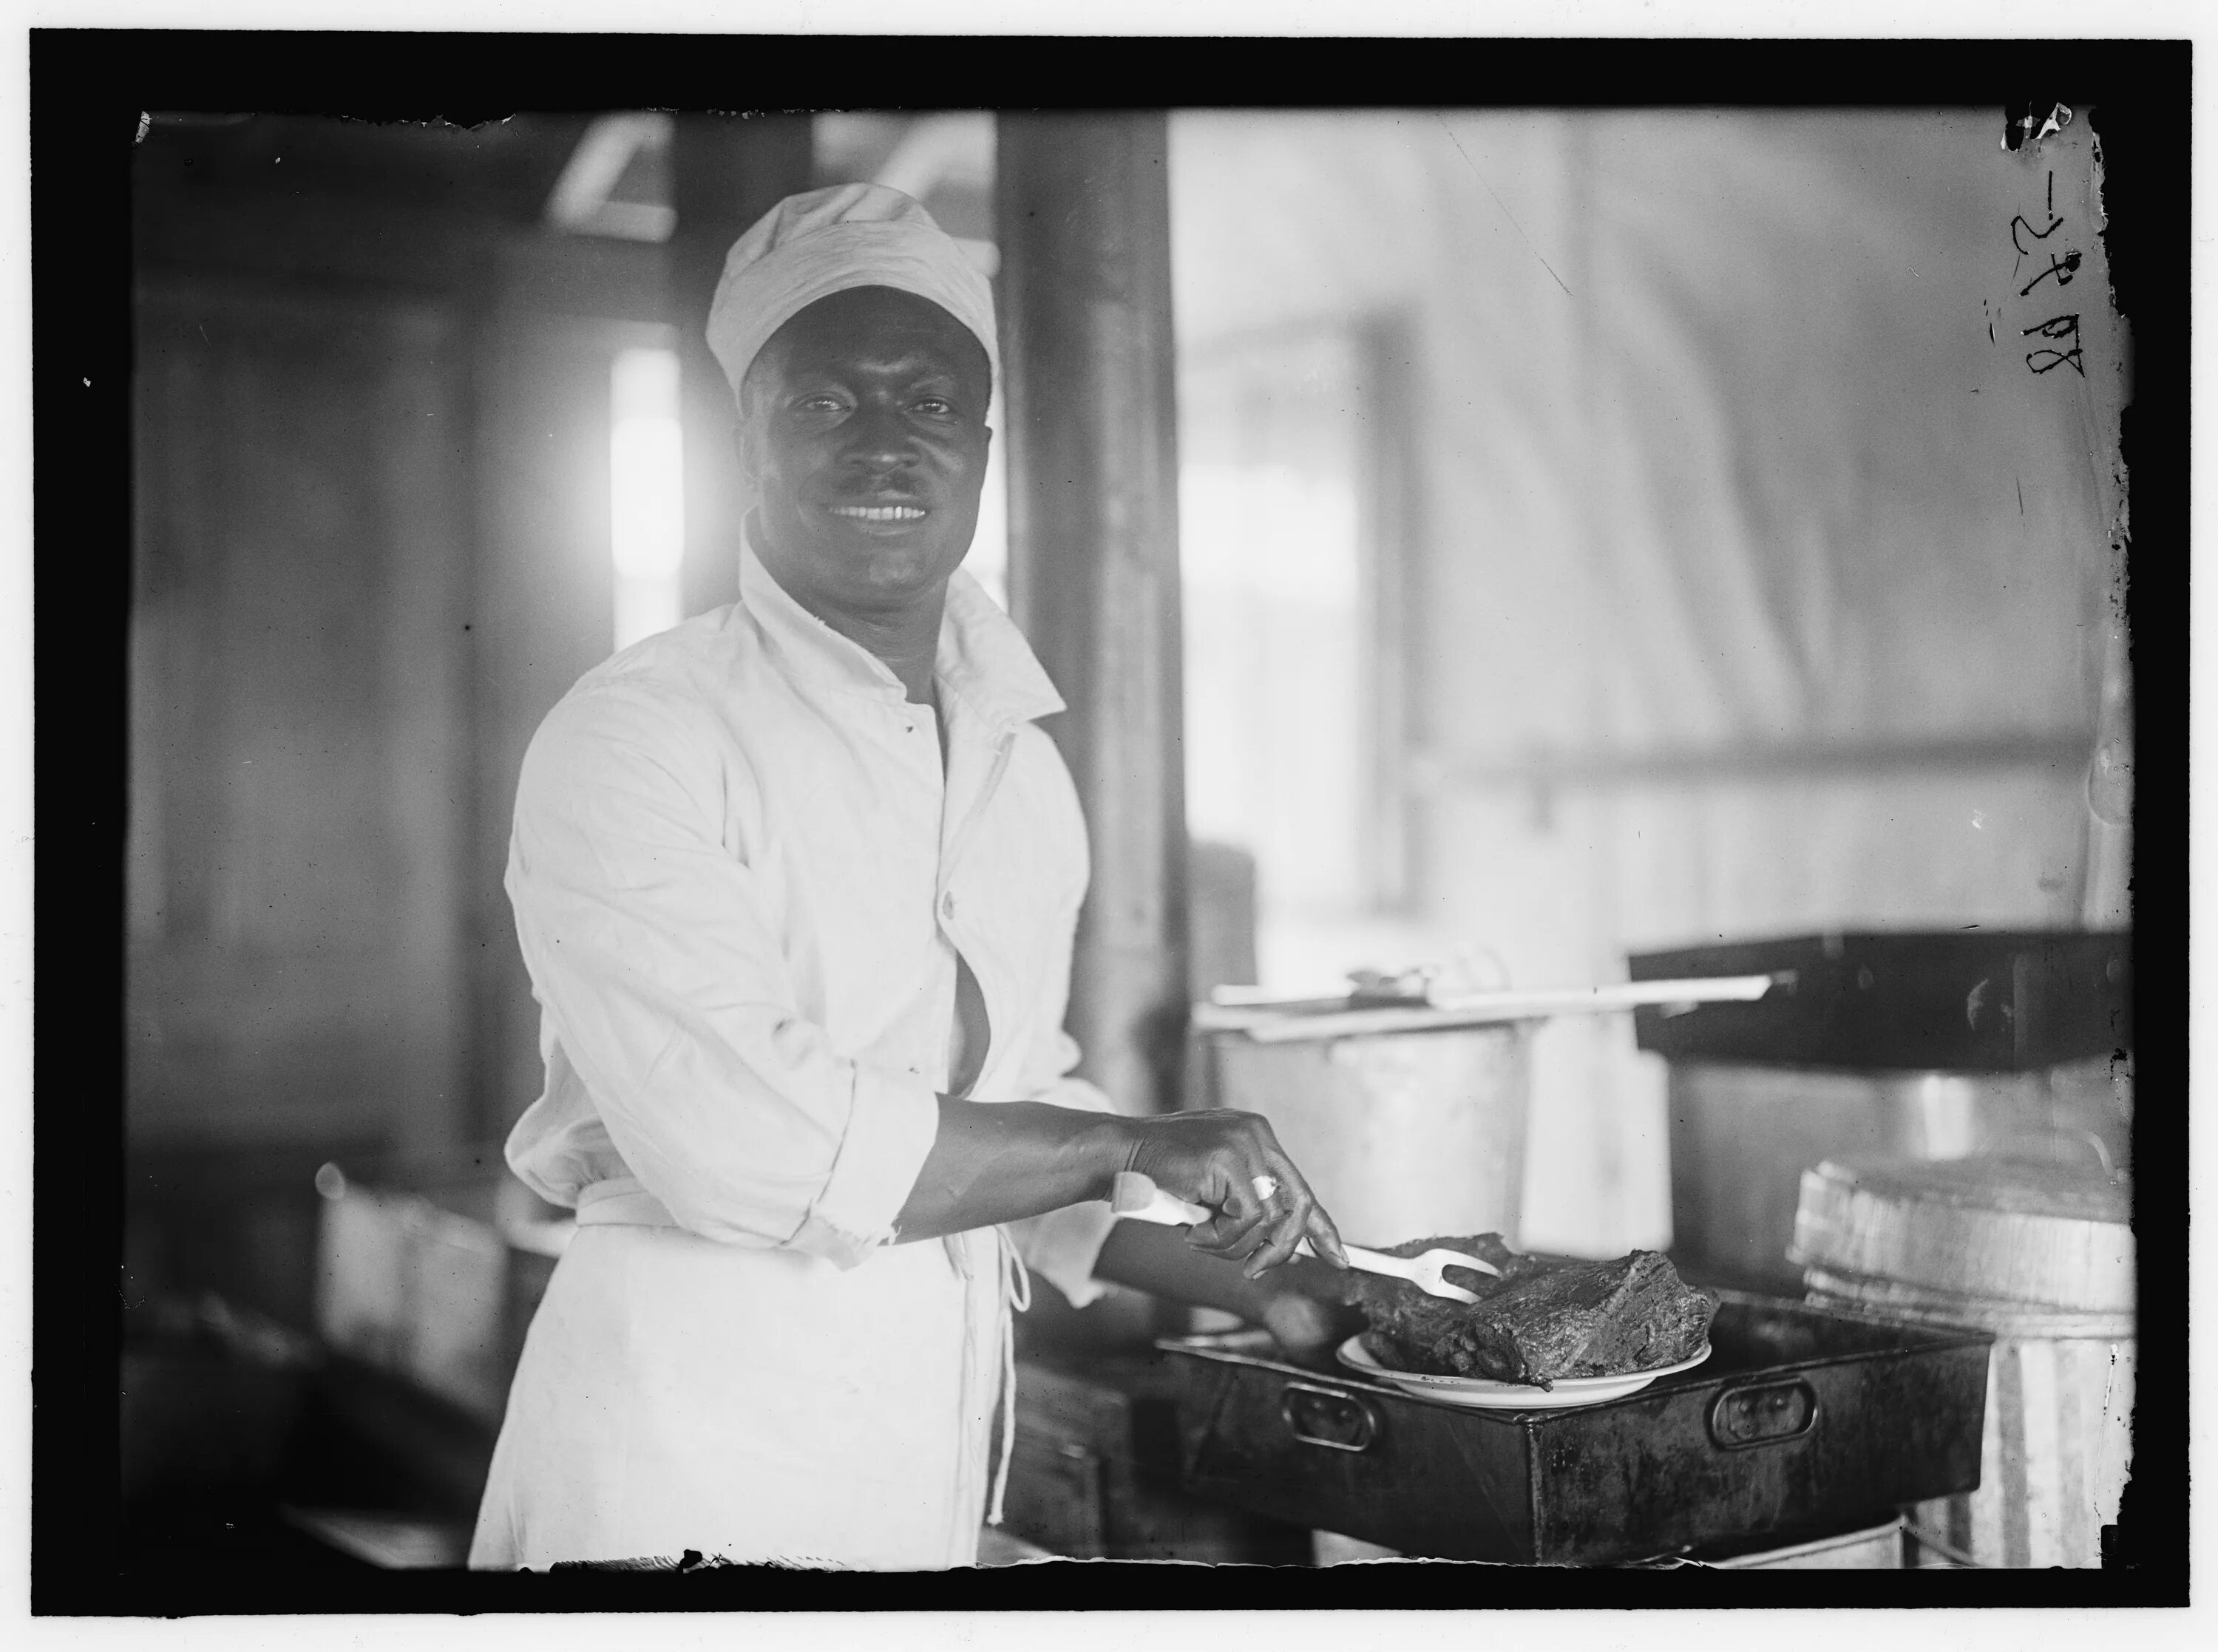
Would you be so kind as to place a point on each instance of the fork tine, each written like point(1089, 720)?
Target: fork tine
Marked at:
point(1426, 1275)
point(1422, 1271)
point(1430, 1277)
point(1476, 1265)
point(1447, 1258)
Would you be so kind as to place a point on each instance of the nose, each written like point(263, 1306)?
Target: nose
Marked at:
point(879, 441)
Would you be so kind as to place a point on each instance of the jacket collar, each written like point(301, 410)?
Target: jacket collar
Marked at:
point(983, 661)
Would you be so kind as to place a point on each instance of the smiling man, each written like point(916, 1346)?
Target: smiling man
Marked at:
point(797, 884)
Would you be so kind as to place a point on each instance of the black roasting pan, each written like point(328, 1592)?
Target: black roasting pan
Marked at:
point(1804, 1422)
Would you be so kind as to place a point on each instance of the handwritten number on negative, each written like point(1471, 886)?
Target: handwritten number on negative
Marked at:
point(2062, 329)
point(2019, 223)
point(2063, 268)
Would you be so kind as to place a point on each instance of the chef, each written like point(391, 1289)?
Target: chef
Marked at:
point(796, 883)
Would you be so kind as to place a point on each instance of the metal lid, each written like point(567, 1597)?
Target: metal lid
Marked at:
point(2021, 1235)
point(2078, 1189)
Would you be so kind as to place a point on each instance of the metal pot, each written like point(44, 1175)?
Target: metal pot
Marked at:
point(1403, 1136)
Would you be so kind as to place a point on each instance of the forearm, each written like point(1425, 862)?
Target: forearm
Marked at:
point(993, 1163)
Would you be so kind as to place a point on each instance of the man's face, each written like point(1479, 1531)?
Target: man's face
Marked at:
point(863, 433)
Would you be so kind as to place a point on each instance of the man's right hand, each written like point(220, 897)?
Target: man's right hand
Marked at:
point(993, 1162)
point(1232, 1162)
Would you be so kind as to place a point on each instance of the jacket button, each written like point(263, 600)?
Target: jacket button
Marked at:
point(947, 905)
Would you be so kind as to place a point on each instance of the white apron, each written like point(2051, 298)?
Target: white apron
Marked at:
point(754, 1405)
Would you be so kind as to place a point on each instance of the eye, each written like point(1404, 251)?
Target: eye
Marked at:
point(939, 406)
point(815, 406)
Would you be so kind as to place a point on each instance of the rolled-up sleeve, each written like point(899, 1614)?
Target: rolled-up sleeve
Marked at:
point(657, 964)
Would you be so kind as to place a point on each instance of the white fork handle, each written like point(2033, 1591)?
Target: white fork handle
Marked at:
point(1376, 1261)
point(1137, 1197)
point(1369, 1261)
point(1133, 1195)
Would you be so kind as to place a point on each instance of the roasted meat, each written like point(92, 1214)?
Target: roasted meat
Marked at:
point(1542, 1320)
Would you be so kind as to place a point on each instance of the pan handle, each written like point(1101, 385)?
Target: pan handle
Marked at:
point(1763, 1414)
point(1330, 1417)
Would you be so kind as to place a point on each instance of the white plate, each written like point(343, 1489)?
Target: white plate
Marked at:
point(1489, 1395)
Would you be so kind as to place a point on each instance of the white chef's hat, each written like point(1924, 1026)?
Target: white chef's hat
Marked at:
point(825, 241)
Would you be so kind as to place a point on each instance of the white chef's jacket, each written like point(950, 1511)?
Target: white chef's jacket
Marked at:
point(741, 881)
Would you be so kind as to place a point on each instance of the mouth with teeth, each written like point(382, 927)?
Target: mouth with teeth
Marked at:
point(879, 515)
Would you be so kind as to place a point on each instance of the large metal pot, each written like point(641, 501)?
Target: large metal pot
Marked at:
point(1404, 1135)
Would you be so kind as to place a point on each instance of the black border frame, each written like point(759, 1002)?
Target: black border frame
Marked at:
point(88, 88)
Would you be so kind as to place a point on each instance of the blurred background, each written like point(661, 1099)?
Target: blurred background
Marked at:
point(1595, 533)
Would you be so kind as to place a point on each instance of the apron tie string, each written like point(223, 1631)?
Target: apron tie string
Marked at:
point(1016, 1292)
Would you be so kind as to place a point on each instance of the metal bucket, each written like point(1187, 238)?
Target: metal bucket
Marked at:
point(2042, 1257)
point(1403, 1136)
point(2055, 1457)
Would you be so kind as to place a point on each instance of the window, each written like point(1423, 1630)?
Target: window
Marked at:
point(646, 492)
point(1286, 531)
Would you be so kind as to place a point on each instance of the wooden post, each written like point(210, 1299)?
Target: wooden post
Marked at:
point(725, 173)
point(1082, 221)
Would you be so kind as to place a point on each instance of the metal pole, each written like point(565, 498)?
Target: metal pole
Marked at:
point(1082, 221)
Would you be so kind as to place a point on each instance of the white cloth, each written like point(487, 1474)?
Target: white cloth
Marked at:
point(739, 881)
point(825, 241)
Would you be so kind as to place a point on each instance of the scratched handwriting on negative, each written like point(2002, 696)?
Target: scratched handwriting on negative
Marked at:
point(2061, 332)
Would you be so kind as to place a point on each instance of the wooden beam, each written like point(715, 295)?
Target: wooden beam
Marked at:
point(1759, 761)
point(1083, 223)
point(311, 241)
